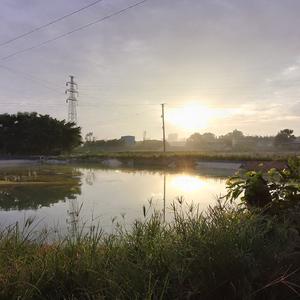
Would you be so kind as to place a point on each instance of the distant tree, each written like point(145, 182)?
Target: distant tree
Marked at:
point(197, 140)
point(152, 145)
point(93, 145)
point(232, 139)
point(35, 134)
point(237, 134)
point(109, 143)
point(194, 139)
point(89, 137)
point(208, 137)
point(284, 137)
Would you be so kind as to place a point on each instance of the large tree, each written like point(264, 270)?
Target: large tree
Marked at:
point(35, 134)
point(284, 137)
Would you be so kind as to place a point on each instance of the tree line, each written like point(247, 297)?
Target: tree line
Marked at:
point(36, 134)
point(235, 140)
point(284, 139)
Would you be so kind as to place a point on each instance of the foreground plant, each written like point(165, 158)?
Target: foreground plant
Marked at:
point(224, 253)
point(274, 191)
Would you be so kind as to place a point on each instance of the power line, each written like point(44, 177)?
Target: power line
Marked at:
point(115, 120)
point(49, 23)
point(119, 12)
point(30, 78)
point(184, 85)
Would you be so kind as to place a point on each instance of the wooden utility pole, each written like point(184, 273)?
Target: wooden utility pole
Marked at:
point(163, 125)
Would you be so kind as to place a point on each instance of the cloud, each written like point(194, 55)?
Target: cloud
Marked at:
point(238, 54)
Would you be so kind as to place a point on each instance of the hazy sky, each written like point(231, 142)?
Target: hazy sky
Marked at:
point(230, 63)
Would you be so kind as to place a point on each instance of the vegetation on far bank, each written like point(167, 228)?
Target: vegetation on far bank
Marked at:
point(182, 155)
point(235, 141)
point(233, 146)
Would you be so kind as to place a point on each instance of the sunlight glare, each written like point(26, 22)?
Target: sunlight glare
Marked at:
point(187, 184)
point(191, 117)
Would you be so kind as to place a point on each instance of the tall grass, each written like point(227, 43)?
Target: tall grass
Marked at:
point(224, 253)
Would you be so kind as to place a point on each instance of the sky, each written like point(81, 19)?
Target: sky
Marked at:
point(219, 65)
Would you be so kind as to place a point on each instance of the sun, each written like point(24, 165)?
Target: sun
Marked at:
point(191, 117)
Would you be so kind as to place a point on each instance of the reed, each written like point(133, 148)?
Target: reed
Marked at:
point(223, 253)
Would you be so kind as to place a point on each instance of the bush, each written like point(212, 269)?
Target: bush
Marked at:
point(275, 191)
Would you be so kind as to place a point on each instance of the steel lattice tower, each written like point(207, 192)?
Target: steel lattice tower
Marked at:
point(72, 100)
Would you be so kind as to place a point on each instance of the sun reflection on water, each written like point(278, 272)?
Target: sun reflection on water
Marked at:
point(187, 183)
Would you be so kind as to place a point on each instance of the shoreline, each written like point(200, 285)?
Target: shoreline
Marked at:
point(184, 161)
point(159, 160)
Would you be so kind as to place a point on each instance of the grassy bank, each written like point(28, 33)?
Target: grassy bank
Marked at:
point(180, 160)
point(204, 155)
point(226, 253)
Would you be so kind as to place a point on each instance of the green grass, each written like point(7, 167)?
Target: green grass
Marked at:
point(185, 155)
point(225, 253)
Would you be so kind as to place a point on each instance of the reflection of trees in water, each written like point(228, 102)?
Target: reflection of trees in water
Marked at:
point(47, 186)
point(90, 177)
point(34, 197)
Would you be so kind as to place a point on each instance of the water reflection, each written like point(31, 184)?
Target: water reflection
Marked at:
point(74, 217)
point(164, 197)
point(76, 194)
point(23, 189)
point(90, 177)
point(187, 183)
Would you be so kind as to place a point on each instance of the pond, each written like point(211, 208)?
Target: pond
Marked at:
point(56, 196)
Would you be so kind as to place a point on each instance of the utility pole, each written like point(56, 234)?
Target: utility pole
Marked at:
point(72, 100)
point(163, 125)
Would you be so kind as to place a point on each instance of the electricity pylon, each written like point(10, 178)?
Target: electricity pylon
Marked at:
point(72, 100)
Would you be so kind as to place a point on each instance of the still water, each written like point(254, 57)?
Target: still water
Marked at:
point(52, 193)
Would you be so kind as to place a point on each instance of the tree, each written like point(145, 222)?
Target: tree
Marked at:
point(208, 137)
point(194, 139)
point(35, 134)
point(201, 140)
point(89, 138)
point(232, 139)
point(284, 137)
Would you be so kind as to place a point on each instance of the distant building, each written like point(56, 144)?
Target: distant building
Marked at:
point(128, 140)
